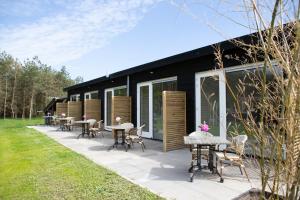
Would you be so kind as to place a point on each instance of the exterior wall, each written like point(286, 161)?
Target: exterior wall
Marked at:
point(100, 88)
point(185, 72)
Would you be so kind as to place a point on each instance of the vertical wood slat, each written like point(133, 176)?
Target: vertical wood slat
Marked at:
point(75, 109)
point(121, 107)
point(174, 119)
point(92, 109)
point(61, 108)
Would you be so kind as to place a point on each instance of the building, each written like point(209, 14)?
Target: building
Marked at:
point(194, 72)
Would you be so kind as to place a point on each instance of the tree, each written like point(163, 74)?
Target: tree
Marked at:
point(27, 87)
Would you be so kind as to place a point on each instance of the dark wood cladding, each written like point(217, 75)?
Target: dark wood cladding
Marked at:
point(184, 71)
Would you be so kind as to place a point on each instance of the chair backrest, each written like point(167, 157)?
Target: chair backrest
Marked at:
point(238, 143)
point(101, 125)
point(139, 130)
point(72, 120)
point(127, 126)
point(92, 122)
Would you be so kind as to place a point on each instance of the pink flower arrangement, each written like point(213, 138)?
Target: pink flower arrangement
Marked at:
point(204, 127)
point(63, 114)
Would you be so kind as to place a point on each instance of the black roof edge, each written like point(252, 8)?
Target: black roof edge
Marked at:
point(192, 54)
point(54, 100)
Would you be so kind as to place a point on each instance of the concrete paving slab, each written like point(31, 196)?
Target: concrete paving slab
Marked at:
point(165, 174)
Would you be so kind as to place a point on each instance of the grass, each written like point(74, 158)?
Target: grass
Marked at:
point(33, 166)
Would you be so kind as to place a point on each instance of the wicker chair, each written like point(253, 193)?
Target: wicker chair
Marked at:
point(204, 151)
point(70, 123)
point(100, 129)
point(232, 155)
point(92, 123)
point(135, 136)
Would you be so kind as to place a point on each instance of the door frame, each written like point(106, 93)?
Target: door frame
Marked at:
point(138, 100)
point(222, 98)
point(105, 100)
point(138, 110)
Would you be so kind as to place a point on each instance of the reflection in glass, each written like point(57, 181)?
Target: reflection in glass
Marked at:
point(94, 95)
point(158, 88)
point(144, 107)
point(120, 92)
point(242, 84)
point(210, 111)
point(108, 107)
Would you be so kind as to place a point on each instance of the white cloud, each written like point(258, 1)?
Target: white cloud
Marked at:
point(76, 30)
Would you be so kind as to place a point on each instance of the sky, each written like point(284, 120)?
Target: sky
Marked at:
point(93, 38)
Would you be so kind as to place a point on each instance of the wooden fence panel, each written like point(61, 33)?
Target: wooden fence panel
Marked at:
point(92, 109)
point(61, 108)
point(174, 119)
point(75, 109)
point(121, 107)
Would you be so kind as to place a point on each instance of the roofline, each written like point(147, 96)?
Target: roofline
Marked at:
point(189, 55)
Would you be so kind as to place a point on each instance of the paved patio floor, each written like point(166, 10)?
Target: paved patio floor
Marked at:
point(165, 174)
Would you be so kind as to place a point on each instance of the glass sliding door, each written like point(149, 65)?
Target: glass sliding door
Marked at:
point(109, 93)
point(108, 98)
point(144, 108)
point(149, 106)
point(211, 102)
point(158, 89)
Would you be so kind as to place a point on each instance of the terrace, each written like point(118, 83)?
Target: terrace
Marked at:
point(164, 173)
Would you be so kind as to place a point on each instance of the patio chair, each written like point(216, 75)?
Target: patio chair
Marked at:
point(135, 136)
point(204, 151)
point(70, 123)
point(128, 127)
point(232, 155)
point(92, 123)
point(99, 129)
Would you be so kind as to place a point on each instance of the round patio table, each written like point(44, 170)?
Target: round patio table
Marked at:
point(84, 128)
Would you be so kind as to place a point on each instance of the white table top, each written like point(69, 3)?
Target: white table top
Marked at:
point(81, 122)
point(62, 118)
point(202, 140)
point(120, 127)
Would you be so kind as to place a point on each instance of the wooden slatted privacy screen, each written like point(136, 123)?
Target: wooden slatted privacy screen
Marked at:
point(174, 119)
point(92, 109)
point(75, 109)
point(61, 108)
point(121, 107)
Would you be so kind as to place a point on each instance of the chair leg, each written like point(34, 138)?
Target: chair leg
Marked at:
point(241, 169)
point(142, 146)
point(221, 172)
point(246, 173)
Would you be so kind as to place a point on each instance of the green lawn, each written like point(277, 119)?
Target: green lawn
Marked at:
point(33, 166)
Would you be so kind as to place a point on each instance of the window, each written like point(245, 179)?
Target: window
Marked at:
point(109, 93)
point(242, 83)
point(91, 95)
point(75, 97)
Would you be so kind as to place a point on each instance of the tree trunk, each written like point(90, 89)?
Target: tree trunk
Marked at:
point(31, 105)
point(5, 99)
point(12, 106)
point(24, 105)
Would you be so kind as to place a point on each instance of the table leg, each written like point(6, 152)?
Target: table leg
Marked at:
point(210, 158)
point(199, 157)
point(115, 134)
point(123, 137)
